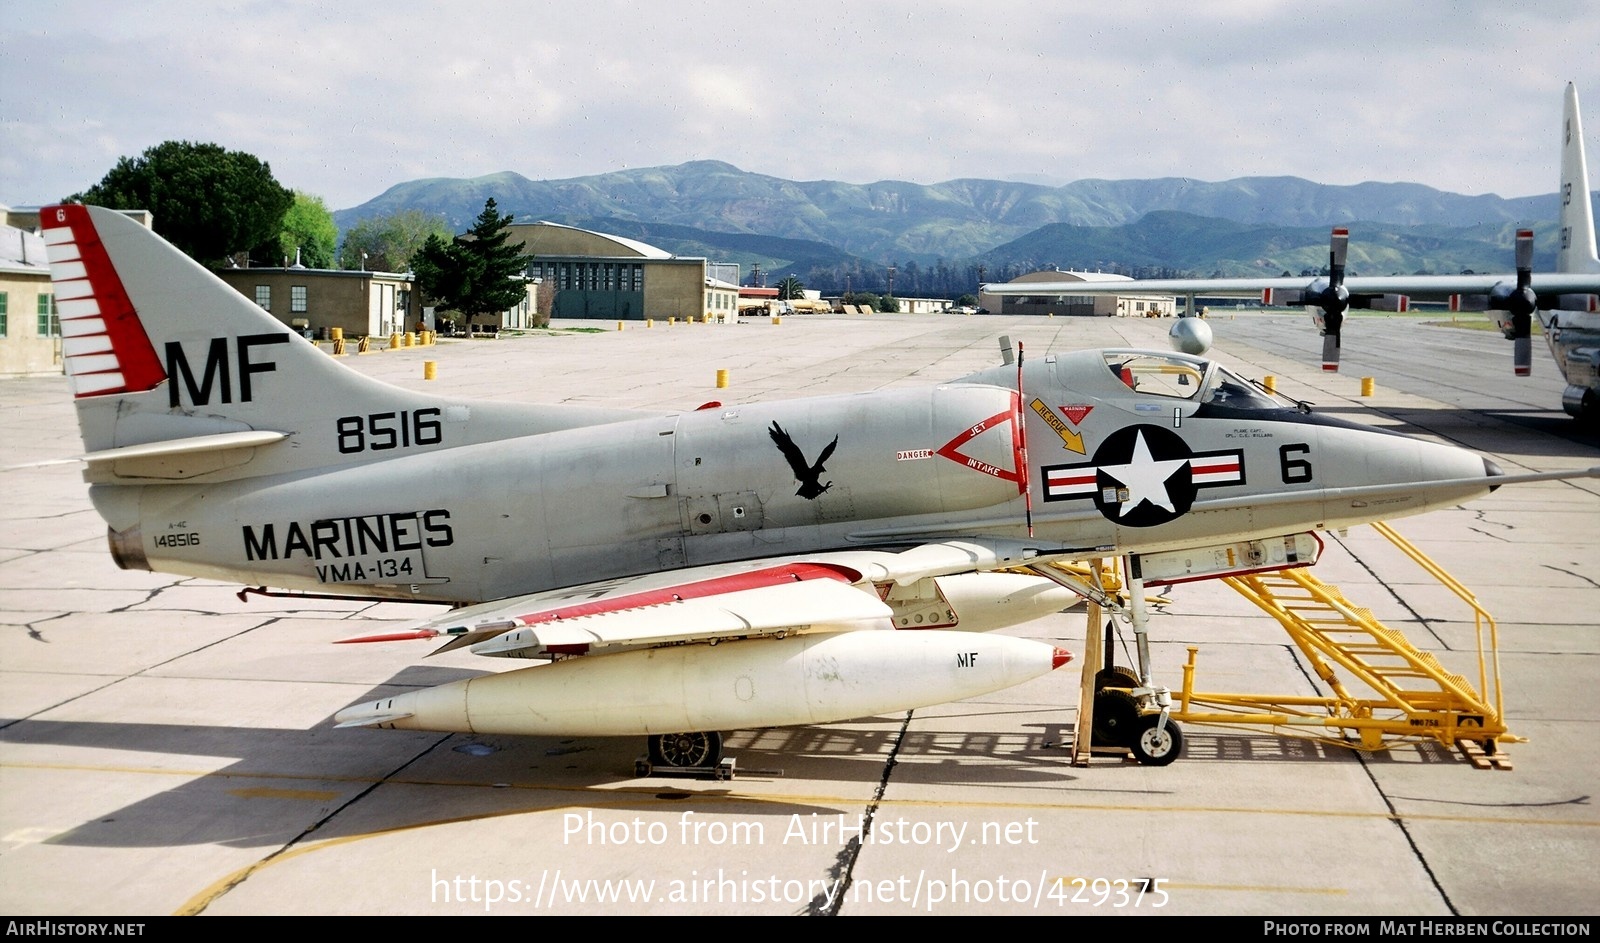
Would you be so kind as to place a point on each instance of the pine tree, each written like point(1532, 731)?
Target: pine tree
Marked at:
point(476, 273)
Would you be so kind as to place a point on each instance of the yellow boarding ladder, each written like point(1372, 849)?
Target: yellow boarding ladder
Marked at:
point(1385, 690)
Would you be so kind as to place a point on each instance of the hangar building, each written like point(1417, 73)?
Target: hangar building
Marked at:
point(611, 278)
point(1081, 305)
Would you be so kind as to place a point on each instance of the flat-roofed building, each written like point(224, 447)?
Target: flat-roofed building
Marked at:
point(358, 303)
point(30, 329)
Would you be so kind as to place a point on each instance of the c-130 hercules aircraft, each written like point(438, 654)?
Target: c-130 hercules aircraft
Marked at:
point(753, 565)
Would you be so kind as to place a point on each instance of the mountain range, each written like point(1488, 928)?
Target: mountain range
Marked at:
point(824, 230)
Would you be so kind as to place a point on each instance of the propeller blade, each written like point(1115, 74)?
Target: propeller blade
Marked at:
point(1338, 248)
point(1521, 305)
point(1334, 300)
point(1524, 257)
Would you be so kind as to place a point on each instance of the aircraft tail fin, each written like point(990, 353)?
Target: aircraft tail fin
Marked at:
point(176, 375)
point(1576, 252)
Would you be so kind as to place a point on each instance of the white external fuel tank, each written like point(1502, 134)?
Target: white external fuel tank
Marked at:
point(804, 679)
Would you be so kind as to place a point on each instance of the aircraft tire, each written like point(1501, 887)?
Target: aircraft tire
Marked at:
point(1117, 676)
point(1116, 716)
point(1151, 749)
point(686, 750)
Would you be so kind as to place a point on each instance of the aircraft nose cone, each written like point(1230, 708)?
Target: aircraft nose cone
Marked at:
point(1493, 471)
point(1060, 657)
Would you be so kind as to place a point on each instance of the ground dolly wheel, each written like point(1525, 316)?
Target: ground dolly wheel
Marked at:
point(686, 750)
point(1116, 716)
point(1156, 749)
point(1117, 676)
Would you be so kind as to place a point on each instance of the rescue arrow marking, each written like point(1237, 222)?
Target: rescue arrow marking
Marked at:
point(1071, 441)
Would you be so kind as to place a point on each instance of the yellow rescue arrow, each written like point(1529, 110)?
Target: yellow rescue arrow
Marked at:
point(1071, 441)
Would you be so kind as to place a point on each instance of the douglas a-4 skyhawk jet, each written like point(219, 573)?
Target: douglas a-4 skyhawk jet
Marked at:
point(679, 574)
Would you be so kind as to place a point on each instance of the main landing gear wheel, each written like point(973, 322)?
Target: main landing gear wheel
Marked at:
point(1156, 749)
point(1116, 716)
point(686, 750)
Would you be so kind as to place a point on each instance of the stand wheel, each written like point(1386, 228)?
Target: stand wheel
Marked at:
point(1116, 714)
point(1117, 676)
point(1153, 749)
point(685, 750)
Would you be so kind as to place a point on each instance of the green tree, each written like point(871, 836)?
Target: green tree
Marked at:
point(790, 288)
point(476, 273)
point(308, 229)
point(207, 201)
point(889, 303)
point(388, 243)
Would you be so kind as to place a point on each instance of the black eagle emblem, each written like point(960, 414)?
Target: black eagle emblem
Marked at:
point(809, 476)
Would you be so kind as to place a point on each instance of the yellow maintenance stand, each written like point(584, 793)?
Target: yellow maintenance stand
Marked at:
point(1384, 691)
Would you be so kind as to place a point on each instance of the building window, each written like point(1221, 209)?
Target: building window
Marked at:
point(3, 312)
point(297, 299)
point(638, 278)
point(264, 297)
point(49, 324)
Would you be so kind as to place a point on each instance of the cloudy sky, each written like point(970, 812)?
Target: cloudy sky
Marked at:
point(347, 99)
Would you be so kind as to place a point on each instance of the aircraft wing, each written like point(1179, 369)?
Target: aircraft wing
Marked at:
point(825, 592)
point(1419, 287)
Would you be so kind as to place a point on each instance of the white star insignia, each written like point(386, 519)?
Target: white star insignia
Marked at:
point(1145, 478)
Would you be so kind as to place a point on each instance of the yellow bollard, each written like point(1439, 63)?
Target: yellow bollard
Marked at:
point(336, 334)
point(1367, 386)
point(394, 341)
point(776, 319)
point(722, 379)
point(619, 325)
point(649, 322)
point(672, 321)
point(1271, 383)
point(410, 339)
point(364, 345)
point(338, 346)
point(429, 369)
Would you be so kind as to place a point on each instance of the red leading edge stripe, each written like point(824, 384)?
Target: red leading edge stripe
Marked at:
point(755, 579)
point(104, 345)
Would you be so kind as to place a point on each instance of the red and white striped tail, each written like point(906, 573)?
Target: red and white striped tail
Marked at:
point(104, 345)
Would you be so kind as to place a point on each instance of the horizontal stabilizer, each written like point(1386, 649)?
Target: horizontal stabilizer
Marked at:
point(194, 445)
